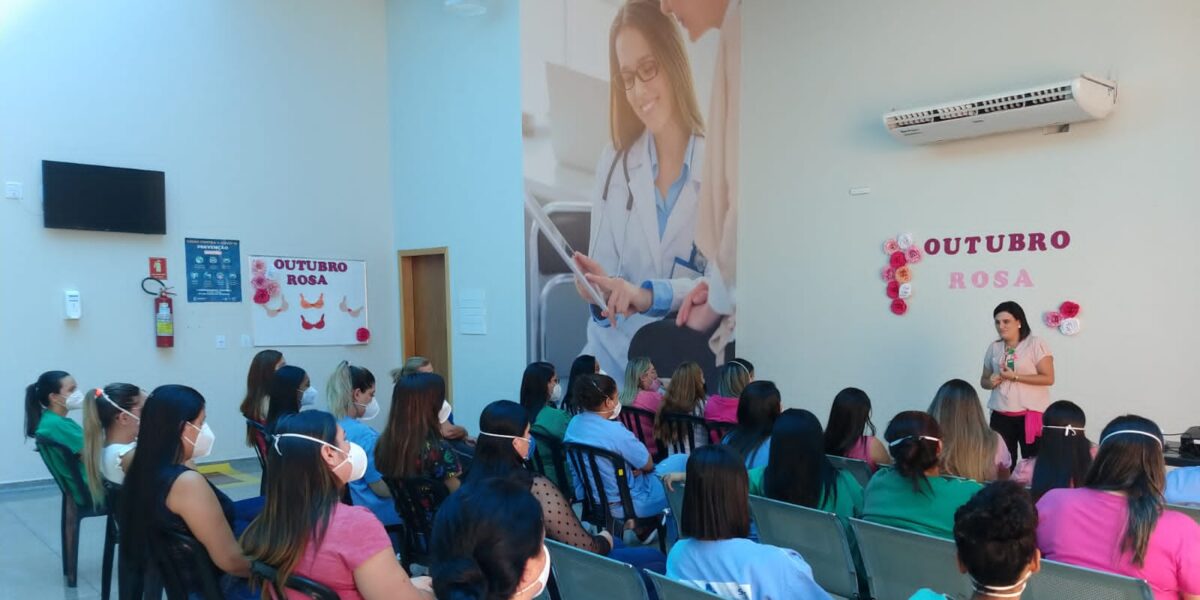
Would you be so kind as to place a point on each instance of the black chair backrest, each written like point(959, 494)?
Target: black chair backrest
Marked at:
point(258, 431)
point(558, 457)
point(185, 566)
point(717, 430)
point(66, 468)
point(640, 422)
point(587, 463)
point(417, 501)
point(682, 429)
point(298, 583)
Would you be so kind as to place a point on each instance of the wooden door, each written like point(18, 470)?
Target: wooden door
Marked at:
point(425, 308)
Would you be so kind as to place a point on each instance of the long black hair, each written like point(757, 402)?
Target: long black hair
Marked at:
point(534, 384)
point(849, 421)
point(166, 413)
point(1018, 313)
point(758, 407)
point(584, 365)
point(37, 398)
point(483, 536)
point(495, 456)
point(913, 438)
point(1065, 455)
point(716, 501)
point(797, 469)
point(1131, 461)
point(284, 392)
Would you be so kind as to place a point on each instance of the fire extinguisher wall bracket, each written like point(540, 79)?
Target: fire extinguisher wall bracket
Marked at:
point(164, 313)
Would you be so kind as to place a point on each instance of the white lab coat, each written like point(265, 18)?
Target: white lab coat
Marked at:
point(639, 251)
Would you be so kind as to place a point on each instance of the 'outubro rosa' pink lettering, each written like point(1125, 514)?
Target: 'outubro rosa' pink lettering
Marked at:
point(997, 243)
point(997, 279)
point(316, 266)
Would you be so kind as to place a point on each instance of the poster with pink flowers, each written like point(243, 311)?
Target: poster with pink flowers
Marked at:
point(308, 301)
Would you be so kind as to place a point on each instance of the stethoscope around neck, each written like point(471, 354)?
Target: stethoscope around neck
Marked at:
point(622, 156)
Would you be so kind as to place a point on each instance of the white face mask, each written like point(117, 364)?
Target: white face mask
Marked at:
point(601, 372)
point(444, 412)
point(202, 447)
point(556, 394)
point(543, 577)
point(616, 413)
point(1007, 591)
point(372, 409)
point(309, 398)
point(75, 400)
point(357, 457)
point(530, 443)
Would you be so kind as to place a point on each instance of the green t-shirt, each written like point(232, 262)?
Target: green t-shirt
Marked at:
point(891, 500)
point(70, 434)
point(849, 501)
point(551, 422)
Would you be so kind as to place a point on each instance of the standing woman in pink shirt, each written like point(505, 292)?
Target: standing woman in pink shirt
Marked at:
point(1019, 369)
point(1118, 523)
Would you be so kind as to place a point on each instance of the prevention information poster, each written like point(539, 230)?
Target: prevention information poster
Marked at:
point(214, 270)
point(308, 301)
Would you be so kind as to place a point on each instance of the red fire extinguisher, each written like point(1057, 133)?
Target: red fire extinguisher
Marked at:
point(164, 314)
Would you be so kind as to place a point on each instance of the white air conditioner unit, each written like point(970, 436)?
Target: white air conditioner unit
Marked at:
point(1083, 98)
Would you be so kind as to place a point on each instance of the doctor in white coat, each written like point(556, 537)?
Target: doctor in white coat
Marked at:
point(642, 254)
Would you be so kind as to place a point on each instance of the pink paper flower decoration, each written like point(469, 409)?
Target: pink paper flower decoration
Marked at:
point(259, 282)
point(904, 274)
point(258, 265)
point(362, 335)
point(261, 296)
point(913, 255)
point(1069, 310)
point(899, 307)
point(1052, 319)
point(888, 274)
point(898, 259)
point(891, 247)
point(272, 288)
point(893, 290)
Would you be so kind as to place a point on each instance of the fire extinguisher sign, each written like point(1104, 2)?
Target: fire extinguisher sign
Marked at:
point(214, 270)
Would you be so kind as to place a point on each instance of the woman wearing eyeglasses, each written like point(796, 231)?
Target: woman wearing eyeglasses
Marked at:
point(642, 254)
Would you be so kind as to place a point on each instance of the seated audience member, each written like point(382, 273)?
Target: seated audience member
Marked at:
point(255, 404)
point(1183, 486)
point(734, 376)
point(47, 402)
point(110, 430)
point(641, 390)
point(1116, 521)
point(597, 426)
point(798, 472)
point(970, 448)
point(685, 396)
point(457, 436)
point(342, 547)
point(488, 544)
point(714, 552)
point(350, 393)
point(504, 445)
point(288, 393)
point(996, 536)
point(914, 494)
point(412, 445)
point(584, 364)
point(850, 432)
point(757, 410)
point(540, 394)
point(1064, 452)
point(163, 494)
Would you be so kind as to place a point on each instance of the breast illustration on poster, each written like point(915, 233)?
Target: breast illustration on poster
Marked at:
point(308, 301)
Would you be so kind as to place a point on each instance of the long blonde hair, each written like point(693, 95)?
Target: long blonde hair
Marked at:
point(733, 378)
point(633, 379)
point(968, 444)
point(685, 395)
point(339, 390)
point(98, 416)
point(666, 44)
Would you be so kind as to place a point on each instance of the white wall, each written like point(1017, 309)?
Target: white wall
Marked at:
point(270, 121)
point(812, 311)
point(456, 148)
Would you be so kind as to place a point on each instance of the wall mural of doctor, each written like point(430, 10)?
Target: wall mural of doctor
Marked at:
point(643, 253)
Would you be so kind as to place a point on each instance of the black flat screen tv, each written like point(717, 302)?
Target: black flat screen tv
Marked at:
point(96, 198)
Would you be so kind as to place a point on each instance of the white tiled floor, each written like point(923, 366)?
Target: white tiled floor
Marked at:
point(30, 552)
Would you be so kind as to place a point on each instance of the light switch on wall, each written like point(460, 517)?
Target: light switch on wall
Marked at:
point(13, 190)
point(220, 341)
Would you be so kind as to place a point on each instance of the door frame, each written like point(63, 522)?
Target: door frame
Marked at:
point(406, 310)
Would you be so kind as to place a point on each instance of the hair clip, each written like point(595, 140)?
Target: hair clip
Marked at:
point(320, 303)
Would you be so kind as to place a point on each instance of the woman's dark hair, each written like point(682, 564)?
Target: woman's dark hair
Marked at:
point(758, 407)
point(584, 365)
point(166, 413)
point(1018, 313)
point(495, 456)
point(797, 470)
point(98, 415)
point(483, 536)
point(716, 500)
point(849, 421)
point(412, 422)
point(1132, 463)
point(996, 533)
point(302, 492)
point(912, 453)
point(37, 398)
point(534, 394)
point(591, 391)
point(1064, 455)
point(258, 380)
point(284, 393)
